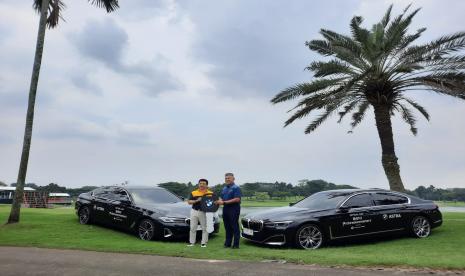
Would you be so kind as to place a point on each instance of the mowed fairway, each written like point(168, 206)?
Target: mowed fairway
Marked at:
point(59, 228)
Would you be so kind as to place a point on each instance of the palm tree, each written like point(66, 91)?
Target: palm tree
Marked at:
point(50, 15)
point(377, 69)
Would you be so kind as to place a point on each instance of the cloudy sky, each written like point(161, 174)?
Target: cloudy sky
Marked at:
point(178, 90)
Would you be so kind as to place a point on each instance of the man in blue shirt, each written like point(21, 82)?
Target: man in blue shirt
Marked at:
point(231, 201)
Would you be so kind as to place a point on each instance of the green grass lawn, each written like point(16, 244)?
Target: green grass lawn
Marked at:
point(450, 203)
point(59, 228)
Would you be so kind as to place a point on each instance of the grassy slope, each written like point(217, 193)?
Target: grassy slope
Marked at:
point(58, 228)
point(450, 203)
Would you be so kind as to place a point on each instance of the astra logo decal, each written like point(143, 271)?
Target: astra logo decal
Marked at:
point(391, 216)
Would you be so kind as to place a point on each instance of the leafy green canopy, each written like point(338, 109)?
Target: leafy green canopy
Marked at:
point(377, 67)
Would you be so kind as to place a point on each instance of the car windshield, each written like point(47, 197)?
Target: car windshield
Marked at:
point(322, 201)
point(158, 196)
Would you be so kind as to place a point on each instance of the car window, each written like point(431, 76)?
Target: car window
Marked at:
point(362, 200)
point(151, 196)
point(118, 194)
point(389, 199)
point(104, 192)
point(322, 200)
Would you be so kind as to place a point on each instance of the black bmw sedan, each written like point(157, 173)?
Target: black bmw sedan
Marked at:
point(150, 212)
point(338, 214)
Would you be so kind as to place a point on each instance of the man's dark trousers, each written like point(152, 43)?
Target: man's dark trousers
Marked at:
point(231, 224)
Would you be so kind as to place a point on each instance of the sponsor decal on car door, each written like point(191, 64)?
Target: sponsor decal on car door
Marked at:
point(392, 211)
point(355, 218)
point(117, 211)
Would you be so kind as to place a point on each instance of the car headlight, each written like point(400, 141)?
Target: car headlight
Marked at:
point(172, 219)
point(279, 224)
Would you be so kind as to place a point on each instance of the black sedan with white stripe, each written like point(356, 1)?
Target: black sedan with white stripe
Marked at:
point(150, 212)
point(339, 214)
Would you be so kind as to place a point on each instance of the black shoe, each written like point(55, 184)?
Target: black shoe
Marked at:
point(235, 247)
point(225, 246)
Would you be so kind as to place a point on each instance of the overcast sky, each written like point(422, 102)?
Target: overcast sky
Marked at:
point(179, 90)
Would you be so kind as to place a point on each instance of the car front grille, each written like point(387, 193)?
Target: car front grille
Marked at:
point(256, 225)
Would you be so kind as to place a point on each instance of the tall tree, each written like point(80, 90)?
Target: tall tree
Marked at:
point(50, 15)
point(377, 68)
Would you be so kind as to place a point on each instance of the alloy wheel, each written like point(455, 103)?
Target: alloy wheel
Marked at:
point(421, 227)
point(84, 215)
point(146, 230)
point(310, 237)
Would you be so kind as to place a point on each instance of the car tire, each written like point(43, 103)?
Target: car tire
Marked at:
point(420, 227)
point(84, 215)
point(146, 229)
point(309, 236)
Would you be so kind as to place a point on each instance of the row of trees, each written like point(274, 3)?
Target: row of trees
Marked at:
point(266, 190)
point(270, 190)
point(280, 190)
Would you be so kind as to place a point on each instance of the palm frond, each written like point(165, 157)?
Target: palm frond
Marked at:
point(320, 46)
point(347, 109)
point(418, 107)
point(55, 8)
point(305, 89)
point(451, 87)
point(435, 49)
point(332, 67)
point(358, 116)
point(360, 34)
point(109, 5)
point(408, 117)
point(387, 17)
point(318, 121)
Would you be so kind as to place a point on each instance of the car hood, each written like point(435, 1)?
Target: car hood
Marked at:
point(178, 209)
point(280, 213)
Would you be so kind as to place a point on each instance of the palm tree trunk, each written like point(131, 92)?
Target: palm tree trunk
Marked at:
point(389, 158)
point(18, 199)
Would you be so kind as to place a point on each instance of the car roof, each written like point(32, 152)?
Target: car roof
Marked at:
point(353, 191)
point(136, 187)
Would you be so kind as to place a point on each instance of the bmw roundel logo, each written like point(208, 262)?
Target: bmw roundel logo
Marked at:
point(385, 216)
point(209, 203)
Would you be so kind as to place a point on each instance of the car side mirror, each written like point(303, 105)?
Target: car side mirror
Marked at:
point(291, 203)
point(344, 209)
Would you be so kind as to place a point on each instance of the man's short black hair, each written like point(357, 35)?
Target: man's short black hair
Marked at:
point(204, 180)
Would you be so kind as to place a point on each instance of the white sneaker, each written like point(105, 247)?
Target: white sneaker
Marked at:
point(203, 245)
point(191, 244)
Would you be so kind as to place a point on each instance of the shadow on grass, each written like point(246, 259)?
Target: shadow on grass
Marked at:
point(368, 240)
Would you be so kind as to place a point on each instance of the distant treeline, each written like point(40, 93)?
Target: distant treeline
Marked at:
point(264, 190)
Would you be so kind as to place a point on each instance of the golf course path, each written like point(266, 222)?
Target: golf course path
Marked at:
point(39, 261)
